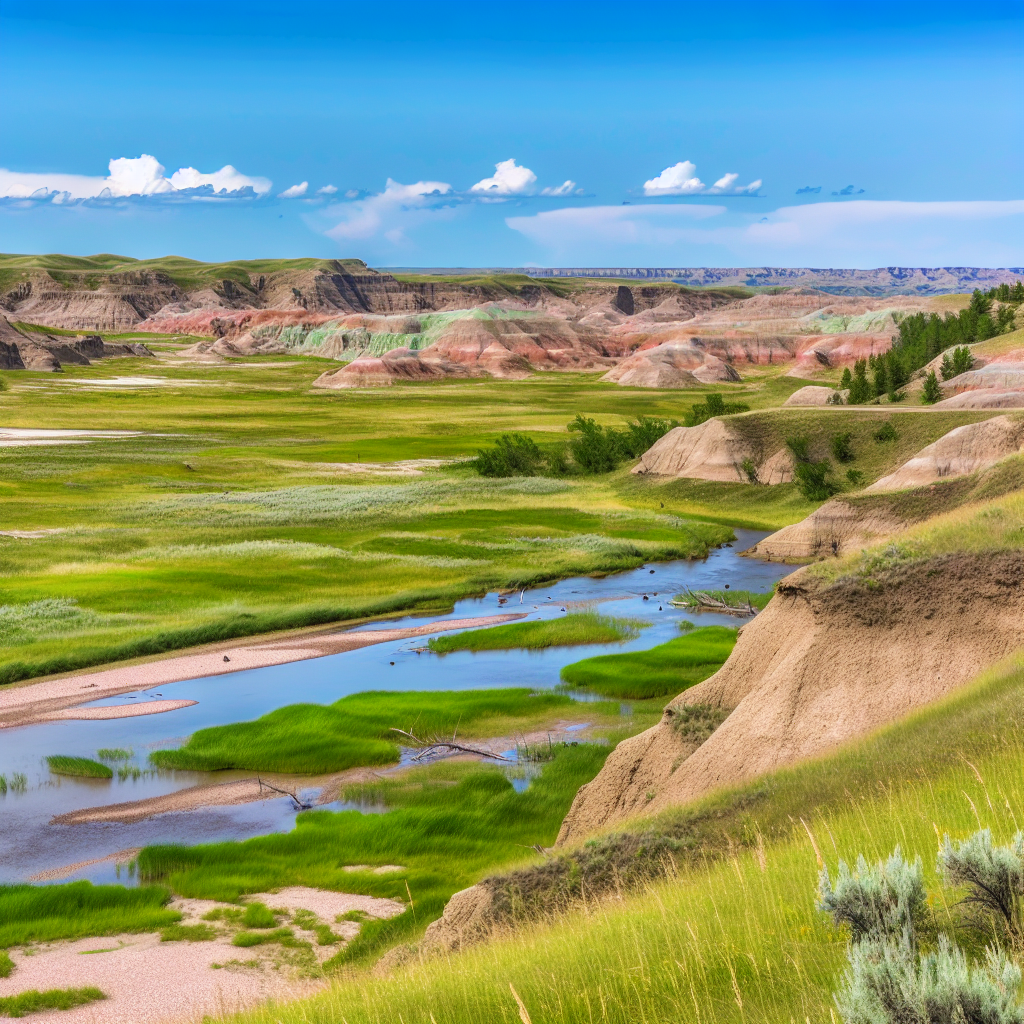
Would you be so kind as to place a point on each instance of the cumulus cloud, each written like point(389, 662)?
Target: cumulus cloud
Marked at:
point(327, 190)
point(128, 177)
point(681, 180)
point(294, 191)
point(390, 213)
point(509, 180)
point(856, 233)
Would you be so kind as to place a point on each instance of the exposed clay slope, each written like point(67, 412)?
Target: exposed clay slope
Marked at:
point(22, 350)
point(821, 665)
point(713, 450)
point(962, 451)
point(983, 400)
point(815, 396)
point(671, 365)
point(399, 364)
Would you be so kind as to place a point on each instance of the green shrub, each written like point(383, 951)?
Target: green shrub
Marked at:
point(878, 903)
point(82, 767)
point(800, 446)
point(512, 455)
point(855, 477)
point(813, 480)
point(594, 449)
point(842, 448)
point(886, 432)
point(993, 875)
point(750, 470)
point(713, 405)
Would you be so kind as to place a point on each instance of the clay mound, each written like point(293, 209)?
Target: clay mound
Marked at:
point(711, 451)
point(834, 529)
point(983, 400)
point(1004, 374)
point(819, 666)
point(963, 450)
point(400, 364)
point(670, 365)
point(814, 395)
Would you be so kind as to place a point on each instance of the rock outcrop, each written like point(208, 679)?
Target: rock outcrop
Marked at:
point(814, 395)
point(822, 664)
point(673, 364)
point(22, 350)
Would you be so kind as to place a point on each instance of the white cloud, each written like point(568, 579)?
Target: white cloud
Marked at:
point(128, 176)
point(681, 180)
point(294, 191)
point(390, 213)
point(857, 233)
point(509, 180)
point(565, 189)
point(327, 190)
point(678, 180)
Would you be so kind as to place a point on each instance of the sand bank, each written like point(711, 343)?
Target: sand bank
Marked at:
point(146, 707)
point(24, 705)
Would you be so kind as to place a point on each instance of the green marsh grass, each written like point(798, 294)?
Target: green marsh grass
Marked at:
point(6, 964)
point(83, 767)
point(447, 825)
point(114, 754)
point(735, 938)
point(34, 1001)
point(312, 739)
point(44, 913)
point(572, 629)
point(661, 671)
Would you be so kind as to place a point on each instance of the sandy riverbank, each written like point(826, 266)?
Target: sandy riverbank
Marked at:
point(25, 705)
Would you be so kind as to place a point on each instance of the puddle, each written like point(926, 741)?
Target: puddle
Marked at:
point(29, 843)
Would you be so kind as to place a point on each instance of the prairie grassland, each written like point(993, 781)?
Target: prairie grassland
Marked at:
point(662, 671)
point(735, 937)
point(312, 739)
point(446, 826)
point(574, 629)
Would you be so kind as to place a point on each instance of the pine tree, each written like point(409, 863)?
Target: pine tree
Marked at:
point(932, 391)
point(847, 379)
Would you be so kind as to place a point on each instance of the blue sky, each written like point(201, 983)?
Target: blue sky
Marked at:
point(663, 134)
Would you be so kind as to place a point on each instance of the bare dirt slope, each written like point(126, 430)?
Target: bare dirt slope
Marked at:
point(822, 664)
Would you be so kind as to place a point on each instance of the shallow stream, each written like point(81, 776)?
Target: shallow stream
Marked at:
point(31, 843)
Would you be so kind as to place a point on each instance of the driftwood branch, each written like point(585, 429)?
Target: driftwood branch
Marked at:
point(702, 600)
point(300, 805)
point(435, 747)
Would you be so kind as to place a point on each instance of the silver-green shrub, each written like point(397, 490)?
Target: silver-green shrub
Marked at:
point(878, 902)
point(994, 875)
point(888, 984)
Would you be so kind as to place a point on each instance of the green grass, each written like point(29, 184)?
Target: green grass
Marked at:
point(83, 767)
point(45, 913)
point(447, 825)
point(34, 1001)
point(285, 936)
point(662, 671)
point(573, 629)
point(736, 936)
point(114, 754)
point(6, 964)
point(258, 915)
point(312, 739)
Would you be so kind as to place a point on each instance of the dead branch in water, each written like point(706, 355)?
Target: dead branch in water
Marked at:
point(703, 601)
point(435, 746)
point(300, 805)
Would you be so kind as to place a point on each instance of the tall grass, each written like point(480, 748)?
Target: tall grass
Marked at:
point(662, 671)
point(84, 767)
point(44, 913)
point(574, 629)
point(34, 1001)
point(447, 825)
point(735, 937)
point(311, 739)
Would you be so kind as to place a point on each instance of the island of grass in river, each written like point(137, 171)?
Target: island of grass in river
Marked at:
point(662, 671)
point(83, 767)
point(575, 628)
point(313, 739)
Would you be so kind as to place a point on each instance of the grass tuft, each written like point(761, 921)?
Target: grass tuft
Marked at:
point(34, 1001)
point(82, 767)
point(574, 629)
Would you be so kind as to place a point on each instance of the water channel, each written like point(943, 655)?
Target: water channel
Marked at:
point(30, 843)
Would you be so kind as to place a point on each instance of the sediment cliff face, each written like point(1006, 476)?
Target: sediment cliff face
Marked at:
point(20, 350)
point(821, 665)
